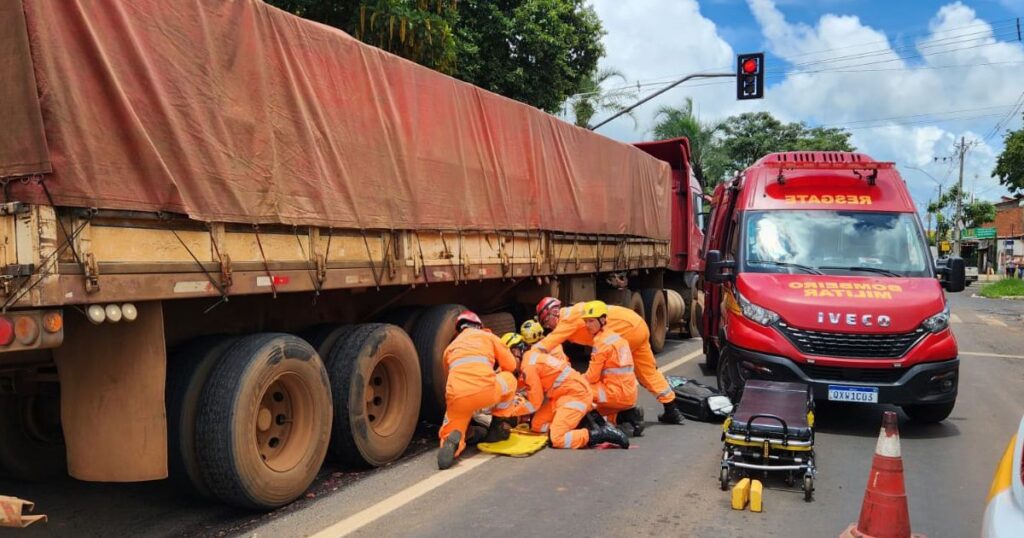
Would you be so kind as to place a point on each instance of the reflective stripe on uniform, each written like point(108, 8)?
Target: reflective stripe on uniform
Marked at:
point(624, 356)
point(622, 370)
point(469, 360)
point(602, 396)
point(530, 407)
point(504, 405)
point(568, 439)
point(504, 386)
point(553, 362)
point(580, 406)
point(544, 428)
point(665, 392)
point(561, 377)
point(612, 338)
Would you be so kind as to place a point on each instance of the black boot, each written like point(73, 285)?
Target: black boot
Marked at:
point(608, 434)
point(446, 455)
point(501, 429)
point(475, 434)
point(672, 415)
point(635, 418)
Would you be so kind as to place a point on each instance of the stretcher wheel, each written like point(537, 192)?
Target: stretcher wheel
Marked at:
point(790, 479)
point(808, 488)
point(723, 477)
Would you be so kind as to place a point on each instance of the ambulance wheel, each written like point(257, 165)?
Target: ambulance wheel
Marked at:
point(729, 380)
point(928, 413)
point(808, 488)
point(657, 316)
point(434, 331)
point(375, 382)
point(723, 478)
point(264, 421)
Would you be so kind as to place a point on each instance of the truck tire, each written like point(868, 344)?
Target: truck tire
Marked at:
point(188, 368)
point(728, 376)
point(375, 382)
point(403, 316)
point(636, 304)
point(928, 413)
point(657, 316)
point(264, 421)
point(323, 337)
point(499, 323)
point(31, 443)
point(434, 331)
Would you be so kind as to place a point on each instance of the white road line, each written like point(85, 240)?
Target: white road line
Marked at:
point(683, 360)
point(402, 498)
point(998, 355)
point(369, 515)
point(955, 318)
point(992, 321)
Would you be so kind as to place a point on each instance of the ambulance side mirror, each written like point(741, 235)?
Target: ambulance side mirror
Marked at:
point(717, 271)
point(954, 274)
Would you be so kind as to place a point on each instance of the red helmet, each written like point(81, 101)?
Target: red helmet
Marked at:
point(467, 317)
point(546, 304)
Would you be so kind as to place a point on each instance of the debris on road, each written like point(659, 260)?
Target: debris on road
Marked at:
point(12, 512)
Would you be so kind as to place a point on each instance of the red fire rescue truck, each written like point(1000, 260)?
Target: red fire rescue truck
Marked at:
point(817, 270)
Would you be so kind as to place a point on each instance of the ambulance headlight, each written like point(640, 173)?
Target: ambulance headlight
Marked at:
point(755, 313)
point(938, 322)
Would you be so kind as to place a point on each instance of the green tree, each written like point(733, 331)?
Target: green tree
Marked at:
point(975, 213)
point(750, 136)
point(593, 98)
point(1010, 163)
point(535, 51)
point(706, 155)
point(420, 30)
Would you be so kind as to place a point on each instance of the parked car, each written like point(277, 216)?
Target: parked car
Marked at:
point(970, 272)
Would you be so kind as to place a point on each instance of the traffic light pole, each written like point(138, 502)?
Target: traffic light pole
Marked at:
point(659, 92)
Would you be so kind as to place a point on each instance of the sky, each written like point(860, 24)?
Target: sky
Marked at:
point(908, 78)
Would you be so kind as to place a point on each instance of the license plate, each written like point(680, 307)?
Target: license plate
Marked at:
point(844, 393)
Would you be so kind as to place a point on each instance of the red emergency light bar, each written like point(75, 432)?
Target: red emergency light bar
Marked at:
point(855, 167)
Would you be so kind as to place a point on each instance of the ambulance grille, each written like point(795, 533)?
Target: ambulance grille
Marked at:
point(863, 375)
point(867, 346)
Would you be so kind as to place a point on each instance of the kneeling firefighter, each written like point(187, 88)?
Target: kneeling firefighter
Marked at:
point(474, 384)
point(568, 324)
point(559, 399)
point(610, 372)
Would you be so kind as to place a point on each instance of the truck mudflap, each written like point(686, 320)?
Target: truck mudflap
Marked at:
point(924, 383)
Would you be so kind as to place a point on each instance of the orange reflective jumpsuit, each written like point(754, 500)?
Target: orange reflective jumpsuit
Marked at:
point(610, 373)
point(472, 382)
point(557, 396)
point(627, 324)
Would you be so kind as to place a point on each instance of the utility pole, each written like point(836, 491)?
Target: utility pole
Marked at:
point(961, 150)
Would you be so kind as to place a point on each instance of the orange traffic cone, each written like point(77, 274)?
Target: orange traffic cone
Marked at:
point(884, 512)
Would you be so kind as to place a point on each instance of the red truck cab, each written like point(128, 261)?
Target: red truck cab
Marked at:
point(817, 270)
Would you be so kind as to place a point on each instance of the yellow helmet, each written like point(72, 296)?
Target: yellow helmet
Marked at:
point(531, 331)
point(512, 340)
point(594, 309)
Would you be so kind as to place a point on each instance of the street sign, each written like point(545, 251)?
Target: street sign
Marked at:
point(984, 233)
point(944, 246)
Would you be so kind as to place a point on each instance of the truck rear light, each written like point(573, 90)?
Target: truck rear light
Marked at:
point(113, 313)
point(53, 322)
point(6, 332)
point(96, 314)
point(129, 312)
point(26, 330)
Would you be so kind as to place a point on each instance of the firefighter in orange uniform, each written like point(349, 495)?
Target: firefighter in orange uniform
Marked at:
point(559, 399)
point(568, 324)
point(610, 372)
point(473, 384)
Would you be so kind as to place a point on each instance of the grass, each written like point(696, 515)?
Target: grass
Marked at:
point(1007, 287)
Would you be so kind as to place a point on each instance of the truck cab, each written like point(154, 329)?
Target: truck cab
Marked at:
point(817, 270)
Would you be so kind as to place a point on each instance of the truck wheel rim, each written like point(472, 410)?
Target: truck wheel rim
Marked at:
point(383, 390)
point(284, 422)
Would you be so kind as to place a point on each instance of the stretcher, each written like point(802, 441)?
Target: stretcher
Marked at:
point(771, 430)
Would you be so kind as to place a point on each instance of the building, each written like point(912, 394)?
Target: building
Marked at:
point(1010, 230)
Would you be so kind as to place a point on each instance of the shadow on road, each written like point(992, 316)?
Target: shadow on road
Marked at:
point(862, 420)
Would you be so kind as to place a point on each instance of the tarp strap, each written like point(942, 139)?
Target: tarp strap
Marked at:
point(213, 281)
point(312, 270)
point(63, 229)
point(266, 266)
point(43, 270)
point(423, 259)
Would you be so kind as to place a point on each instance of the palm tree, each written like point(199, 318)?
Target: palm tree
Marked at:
point(705, 154)
point(593, 98)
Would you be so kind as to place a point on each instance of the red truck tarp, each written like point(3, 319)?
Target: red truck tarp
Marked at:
point(239, 112)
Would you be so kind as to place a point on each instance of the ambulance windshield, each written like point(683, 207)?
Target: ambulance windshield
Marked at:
point(835, 242)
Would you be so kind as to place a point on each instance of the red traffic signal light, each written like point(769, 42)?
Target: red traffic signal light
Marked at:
point(750, 76)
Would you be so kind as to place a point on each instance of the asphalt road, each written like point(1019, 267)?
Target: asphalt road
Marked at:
point(665, 485)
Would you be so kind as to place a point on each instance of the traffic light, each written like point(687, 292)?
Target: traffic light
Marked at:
point(750, 76)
